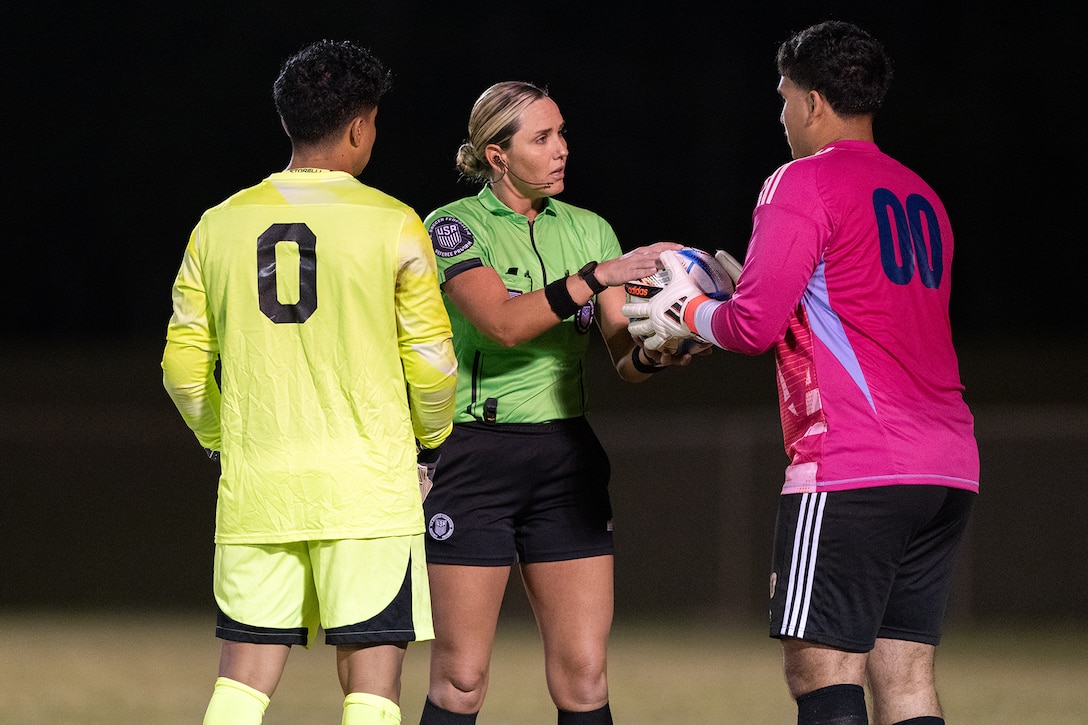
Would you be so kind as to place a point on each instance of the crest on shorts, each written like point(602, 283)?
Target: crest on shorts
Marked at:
point(450, 236)
point(440, 527)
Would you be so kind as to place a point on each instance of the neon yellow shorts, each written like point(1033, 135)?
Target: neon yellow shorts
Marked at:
point(358, 590)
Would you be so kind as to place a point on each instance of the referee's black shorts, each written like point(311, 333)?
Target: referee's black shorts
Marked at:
point(852, 566)
point(519, 492)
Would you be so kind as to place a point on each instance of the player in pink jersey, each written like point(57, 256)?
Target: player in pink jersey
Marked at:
point(847, 277)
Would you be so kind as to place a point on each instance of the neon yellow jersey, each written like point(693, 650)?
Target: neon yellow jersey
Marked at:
point(319, 297)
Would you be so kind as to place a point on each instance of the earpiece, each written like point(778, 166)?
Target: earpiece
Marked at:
point(507, 170)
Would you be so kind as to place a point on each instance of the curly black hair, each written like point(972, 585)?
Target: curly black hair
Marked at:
point(326, 84)
point(842, 62)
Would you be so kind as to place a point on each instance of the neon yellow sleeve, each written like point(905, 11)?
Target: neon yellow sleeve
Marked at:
point(425, 338)
point(188, 374)
point(188, 362)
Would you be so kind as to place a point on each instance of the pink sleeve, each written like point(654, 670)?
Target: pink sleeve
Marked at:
point(783, 252)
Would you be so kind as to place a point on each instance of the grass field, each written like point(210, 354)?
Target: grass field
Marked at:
point(121, 669)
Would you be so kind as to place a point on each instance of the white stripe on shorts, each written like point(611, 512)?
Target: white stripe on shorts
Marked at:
point(803, 564)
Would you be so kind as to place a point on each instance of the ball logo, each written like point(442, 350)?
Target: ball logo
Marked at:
point(440, 527)
point(450, 236)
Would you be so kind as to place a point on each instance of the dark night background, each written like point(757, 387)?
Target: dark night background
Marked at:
point(123, 123)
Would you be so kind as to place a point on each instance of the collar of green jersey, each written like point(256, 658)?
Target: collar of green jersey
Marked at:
point(492, 204)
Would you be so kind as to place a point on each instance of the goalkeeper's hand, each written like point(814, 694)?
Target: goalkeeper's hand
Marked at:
point(662, 317)
point(427, 463)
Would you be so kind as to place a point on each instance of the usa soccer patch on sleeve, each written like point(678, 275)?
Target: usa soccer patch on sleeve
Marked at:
point(450, 237)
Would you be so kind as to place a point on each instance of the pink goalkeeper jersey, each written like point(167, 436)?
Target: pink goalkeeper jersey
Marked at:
point(847, 275)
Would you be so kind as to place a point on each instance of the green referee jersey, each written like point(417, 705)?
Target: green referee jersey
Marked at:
point(540, 380)
point(320, 299)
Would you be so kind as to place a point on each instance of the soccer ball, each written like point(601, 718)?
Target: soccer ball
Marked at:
point(708, 275)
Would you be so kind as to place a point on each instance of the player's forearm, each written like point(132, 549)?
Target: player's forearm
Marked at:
point(432, 423)
point(722, 324)
point(189, 379)
point(431, 372)
point(432, 414)
point(757, 314)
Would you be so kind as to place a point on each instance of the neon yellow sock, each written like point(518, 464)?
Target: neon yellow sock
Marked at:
point(364, 708)
point(233, 703)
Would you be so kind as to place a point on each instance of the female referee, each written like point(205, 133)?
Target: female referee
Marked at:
point(523, 478)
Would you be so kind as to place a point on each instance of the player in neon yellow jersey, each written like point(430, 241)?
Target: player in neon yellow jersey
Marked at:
point(318, 296)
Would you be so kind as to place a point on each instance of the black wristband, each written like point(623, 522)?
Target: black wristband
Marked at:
point(643, 367)
point(559, 299)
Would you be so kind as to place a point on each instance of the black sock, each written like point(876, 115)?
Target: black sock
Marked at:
point(924, 720)
point(434, 715)
point(833, 705)
point(600, 716)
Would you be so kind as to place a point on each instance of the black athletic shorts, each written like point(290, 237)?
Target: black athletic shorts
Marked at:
point(851, 566)
point(519, 492)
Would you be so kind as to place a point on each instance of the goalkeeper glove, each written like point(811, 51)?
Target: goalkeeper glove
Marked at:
point(662, 318)
point(427, 463)
point(730, 264)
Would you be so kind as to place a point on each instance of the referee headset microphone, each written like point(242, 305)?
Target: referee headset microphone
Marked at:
point(506, 169)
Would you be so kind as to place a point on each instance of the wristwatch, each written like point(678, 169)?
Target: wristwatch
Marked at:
point(586, 273)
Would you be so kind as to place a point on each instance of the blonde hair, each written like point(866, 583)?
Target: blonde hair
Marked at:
point(495, 118)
